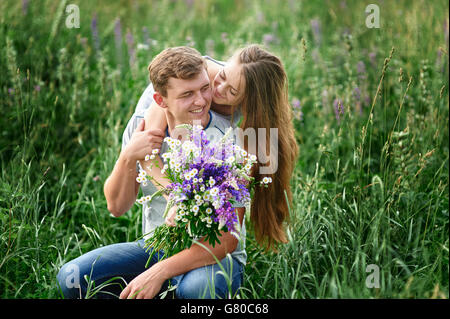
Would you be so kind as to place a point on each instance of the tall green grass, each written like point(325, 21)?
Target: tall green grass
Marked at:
point(371, 107)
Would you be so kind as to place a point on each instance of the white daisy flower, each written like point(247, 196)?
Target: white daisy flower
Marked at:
point(230, 160)
point(214, 191)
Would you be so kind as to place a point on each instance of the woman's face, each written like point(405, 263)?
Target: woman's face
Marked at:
point(229, 84)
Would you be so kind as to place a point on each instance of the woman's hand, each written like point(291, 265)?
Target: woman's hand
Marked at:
point(170, 218)
point(143, 141)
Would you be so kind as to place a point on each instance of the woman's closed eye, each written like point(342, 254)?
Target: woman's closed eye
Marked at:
point(232, 91)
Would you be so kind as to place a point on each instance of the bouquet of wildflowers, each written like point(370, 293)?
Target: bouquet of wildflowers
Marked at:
point(207, 179)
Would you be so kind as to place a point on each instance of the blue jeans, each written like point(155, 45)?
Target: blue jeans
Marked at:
point(128, 260)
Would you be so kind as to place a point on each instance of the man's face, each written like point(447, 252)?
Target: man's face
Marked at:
point(189, 100)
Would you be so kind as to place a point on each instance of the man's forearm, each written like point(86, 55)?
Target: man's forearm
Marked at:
point(121, 188)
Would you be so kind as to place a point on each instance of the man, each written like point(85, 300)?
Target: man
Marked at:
point(182, 89)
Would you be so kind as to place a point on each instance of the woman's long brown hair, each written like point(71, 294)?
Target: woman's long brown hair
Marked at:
point(265, 104)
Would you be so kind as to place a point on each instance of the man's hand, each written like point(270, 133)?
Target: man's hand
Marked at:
point(146, 285)
point(142, 142)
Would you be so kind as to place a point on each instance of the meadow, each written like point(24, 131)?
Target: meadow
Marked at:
point(371, 112)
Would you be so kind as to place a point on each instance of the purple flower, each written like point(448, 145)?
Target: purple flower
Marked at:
point(357, 93)
point(226, 216)
point(338, 109)
point(372, 57)
point(260, 17)
point(190, 41)
point(94, 31)
point(324, 97)
point(118, 40)
point(131, 48)
point(25, 4)
point(298, 114)
point(367, 100)
point(269, 39)
point(83, 41)
point(357, 96)
point(224, 36)
point(146, 36)
point(37, 88)
point(361, 70)
point(446, 31)
point(296, 103)
point(317, 33)
point(210, 46)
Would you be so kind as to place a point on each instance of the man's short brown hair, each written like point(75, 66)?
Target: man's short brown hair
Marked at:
point(178, 62)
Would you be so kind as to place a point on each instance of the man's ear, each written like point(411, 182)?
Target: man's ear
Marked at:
point(159, 99)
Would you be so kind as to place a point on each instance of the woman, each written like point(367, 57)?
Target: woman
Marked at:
point(252, 88)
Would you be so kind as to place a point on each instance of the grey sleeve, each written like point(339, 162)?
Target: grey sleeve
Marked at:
point(145, 100)
point(143, 104)
point(131, 127)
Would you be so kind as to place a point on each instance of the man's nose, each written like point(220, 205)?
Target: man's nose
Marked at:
point(199, 99)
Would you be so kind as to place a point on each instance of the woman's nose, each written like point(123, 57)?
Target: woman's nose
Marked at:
point(220, 87)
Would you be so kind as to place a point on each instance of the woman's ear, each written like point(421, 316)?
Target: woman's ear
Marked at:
point(159, 99)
